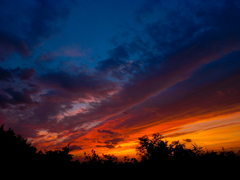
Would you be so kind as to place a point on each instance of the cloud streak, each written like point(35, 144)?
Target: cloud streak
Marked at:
point(158, 73)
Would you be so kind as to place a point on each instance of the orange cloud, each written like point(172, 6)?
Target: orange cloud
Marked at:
point(212, 133)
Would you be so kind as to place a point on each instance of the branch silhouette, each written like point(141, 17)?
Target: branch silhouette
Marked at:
point(155, 152)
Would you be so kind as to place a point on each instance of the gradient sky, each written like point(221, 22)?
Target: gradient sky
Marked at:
point(99, 74)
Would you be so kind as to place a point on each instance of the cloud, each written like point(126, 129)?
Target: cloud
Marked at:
point(52, 96)
point(195, 98)
point(10, 44)
point(4, 100)
point(170, 59)
point(26, 74)
point(119, 53)
point(77, 86)
point(187, 140)
point(20, 94)
point(110, 143)
point(109, 65)
point(113, 141)
point(37, 20)
point(11, 96)
point(108, 132)
point(75, 147)
point(19, 97)
point(109, 146)
point(10, 74)
point(5, 75)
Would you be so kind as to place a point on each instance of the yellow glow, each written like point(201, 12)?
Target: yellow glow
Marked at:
point(212, 133)
point(215, 134)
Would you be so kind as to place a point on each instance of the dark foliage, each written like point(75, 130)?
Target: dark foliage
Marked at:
point(155, 149)
point(19, 155)
point(176, 157)
point(14, 148)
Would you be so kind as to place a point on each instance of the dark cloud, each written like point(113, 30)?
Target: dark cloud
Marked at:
point(187, 140)
point(5, 75)
point(211, 91)
point(22, 74)
point(37, 20)
point(117, 68)
point(77, 86)
point(206, 46)
point(109, 65)
point(20, 94)
point(186, 25)
point(75, 147)
point(109, 146)
point(4, 101)
point(119, 53)
point(171, 57)
point(108, 132)
point(19, 97)
point(9, 44)
point(113, 141)
point(110, 143)
point(51, 111)
point(26, 74)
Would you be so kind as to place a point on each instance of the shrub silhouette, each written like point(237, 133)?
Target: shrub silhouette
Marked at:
point(14, 148)
point(154, 149)
point(157, 152)
point(16, 153)
point(95, 159)
point(57, 159)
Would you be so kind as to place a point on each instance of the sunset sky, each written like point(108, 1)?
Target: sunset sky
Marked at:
point(99, 74)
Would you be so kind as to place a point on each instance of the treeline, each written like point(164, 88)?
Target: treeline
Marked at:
point(17, 154)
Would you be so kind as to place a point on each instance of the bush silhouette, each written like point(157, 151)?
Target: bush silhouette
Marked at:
point(157, 152)
point(154, 149)
point(96, 160)
point(14, 148)
point(16, 153)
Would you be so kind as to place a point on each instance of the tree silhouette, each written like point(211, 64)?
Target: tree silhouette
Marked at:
point(154, 149)
point(57, 159)
point(96, 160)
point(155, 152)
point(14, 148)
point(16, 153)
point(110, 160)
point(93, 159)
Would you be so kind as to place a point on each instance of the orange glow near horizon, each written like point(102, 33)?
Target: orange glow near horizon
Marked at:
point(211, 134)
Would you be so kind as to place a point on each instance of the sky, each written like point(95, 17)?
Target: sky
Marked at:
point(99, 74)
